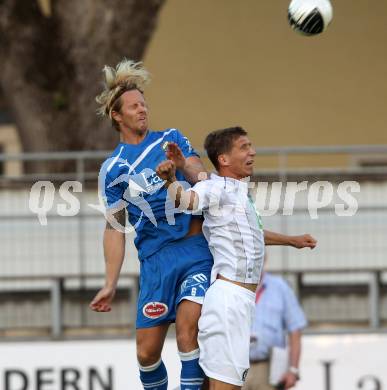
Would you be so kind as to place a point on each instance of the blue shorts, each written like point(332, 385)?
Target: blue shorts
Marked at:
point(180, 270)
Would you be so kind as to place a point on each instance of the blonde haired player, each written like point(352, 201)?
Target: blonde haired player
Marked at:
point(175, 262)
point(127, 76)
point(236, 239)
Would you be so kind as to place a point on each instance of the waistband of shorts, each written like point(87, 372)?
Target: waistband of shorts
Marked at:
point(229, 285)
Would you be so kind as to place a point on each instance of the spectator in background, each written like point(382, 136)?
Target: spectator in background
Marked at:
point(278, 322)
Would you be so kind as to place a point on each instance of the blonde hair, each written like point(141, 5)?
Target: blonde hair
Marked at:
point(127, 76)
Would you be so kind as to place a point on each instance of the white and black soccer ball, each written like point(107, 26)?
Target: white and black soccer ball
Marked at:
point(310, 17)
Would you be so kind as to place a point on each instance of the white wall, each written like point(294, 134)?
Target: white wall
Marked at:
point(353, 362)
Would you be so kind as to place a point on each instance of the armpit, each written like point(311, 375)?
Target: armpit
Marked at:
point(119, 217)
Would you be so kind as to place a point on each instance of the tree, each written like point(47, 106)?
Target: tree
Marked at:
point(51, 56)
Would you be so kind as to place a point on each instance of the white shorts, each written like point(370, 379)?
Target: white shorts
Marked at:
point(224, 332)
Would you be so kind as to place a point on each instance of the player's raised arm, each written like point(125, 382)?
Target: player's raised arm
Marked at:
point(184, 200)
point(191, 167)
point(302, 241)
point(114, 252)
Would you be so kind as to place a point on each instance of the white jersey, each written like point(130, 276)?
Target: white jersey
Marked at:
point(232, 227)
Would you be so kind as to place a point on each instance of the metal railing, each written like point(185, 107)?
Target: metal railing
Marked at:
point(67, 254)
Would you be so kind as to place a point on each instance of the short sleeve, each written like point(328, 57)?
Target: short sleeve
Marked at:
point(294, 315)
point(202, 190)
point(185, 145)
point(111, 189)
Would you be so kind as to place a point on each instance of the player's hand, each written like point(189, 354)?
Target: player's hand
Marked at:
point(167, 170)
point(289, 380)
point(303, 241)
point(174, 153)
point(102, 301)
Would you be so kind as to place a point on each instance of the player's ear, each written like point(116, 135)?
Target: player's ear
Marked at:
point(223, 160)
point(117, 116)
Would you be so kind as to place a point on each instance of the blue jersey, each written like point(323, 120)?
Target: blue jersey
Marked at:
point(128, 179)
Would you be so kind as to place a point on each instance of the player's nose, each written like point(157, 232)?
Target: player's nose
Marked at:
point(142, 110)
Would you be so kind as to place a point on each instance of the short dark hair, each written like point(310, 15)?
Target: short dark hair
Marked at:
point(220, 141)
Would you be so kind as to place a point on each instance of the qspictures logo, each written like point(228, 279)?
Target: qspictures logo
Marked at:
point(136, 189)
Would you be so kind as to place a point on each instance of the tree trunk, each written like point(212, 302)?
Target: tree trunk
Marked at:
point(50, 66)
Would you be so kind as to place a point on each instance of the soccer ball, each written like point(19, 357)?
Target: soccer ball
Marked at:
point(310, 17)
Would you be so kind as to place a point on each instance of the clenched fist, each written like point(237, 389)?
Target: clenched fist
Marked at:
point(167, 171)
point(304, 241)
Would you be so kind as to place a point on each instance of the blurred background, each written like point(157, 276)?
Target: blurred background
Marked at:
point(314, 109)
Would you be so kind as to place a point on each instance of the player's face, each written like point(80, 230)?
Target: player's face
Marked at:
point(134, 112)
point(241, 157)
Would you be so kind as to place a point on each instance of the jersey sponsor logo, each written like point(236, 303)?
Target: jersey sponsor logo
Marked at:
point(155, 310)
point(146, 182)
point(137, 187)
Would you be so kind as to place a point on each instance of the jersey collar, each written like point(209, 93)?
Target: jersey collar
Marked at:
point(231, 183)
